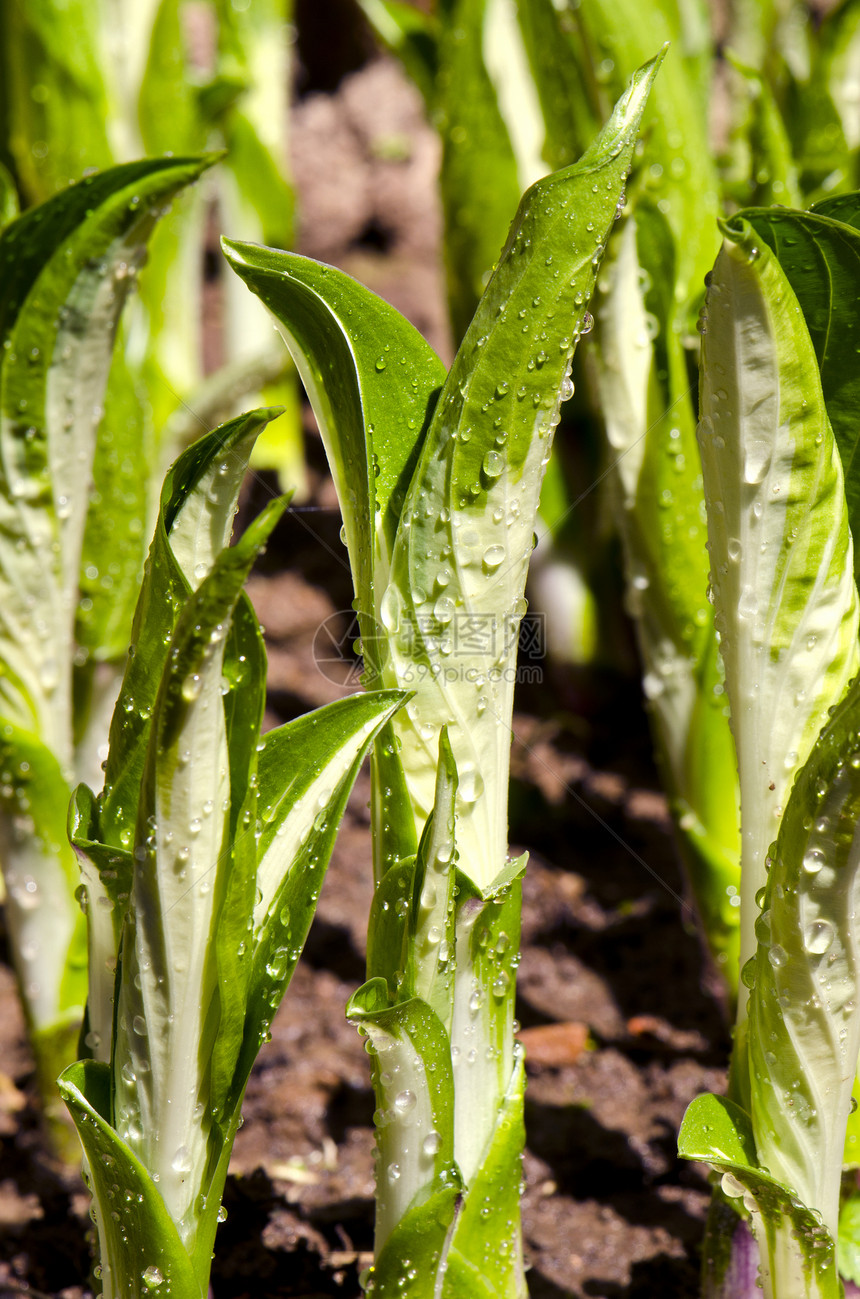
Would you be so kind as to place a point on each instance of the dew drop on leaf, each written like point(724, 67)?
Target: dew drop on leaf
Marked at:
point(493, 464)
point(405, 1101)
point(818, 937)
point(443, 609)
point(431, 1143)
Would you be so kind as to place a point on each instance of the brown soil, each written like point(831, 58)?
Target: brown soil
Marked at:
point(620, 1026)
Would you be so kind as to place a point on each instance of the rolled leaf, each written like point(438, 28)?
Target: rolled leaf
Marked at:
point(140, 1248)
point(466, 532)
point(650, 424)
point(780, 546)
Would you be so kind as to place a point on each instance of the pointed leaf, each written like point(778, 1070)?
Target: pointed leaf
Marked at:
point(466, 531)
point(306, 771)
point(195, 520)
point(371, 380)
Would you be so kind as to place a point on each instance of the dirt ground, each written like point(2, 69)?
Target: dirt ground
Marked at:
point(614, 1002)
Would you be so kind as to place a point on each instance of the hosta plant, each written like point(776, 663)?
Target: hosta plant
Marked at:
point(202, 859)
point(66, 268)
point(439, 478)
point(540, 75)
point(778, 437)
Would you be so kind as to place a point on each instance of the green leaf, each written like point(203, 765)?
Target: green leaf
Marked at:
point(195, 520)
point(45, 923)
point(837, 65)
point(8, 197)
point(167, 101)
point(480, 182)
point(485, 1255)
point(371, 379)
point(305, 773)
point(411, 929)
point(466, 529)
point(64, 271)
point(797, 1252)
point(650, 422)
point(413, 36)
point(819, 254)
point(353, 353)
point(167, 1011)
point(56, 97)
point(848, 1246)
point(556, 51)
point(612, 38)
point(140, 1247)
point(804, 1032)
point(415, 1111)
point(717, 1131)
point(783, 589)
point(415, 1257)
point(487, 929)
point(106, 872)
point(775, 179)
point(433, 911)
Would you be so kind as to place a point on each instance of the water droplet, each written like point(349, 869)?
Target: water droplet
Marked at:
point(493, 464)
point(731, 1186)
point(431, 1143)
point(777, 956)
point(748, 603)
point(493, 557)
point(818, 937)
point(405, 1101)
point(813, 861)
point(443, 609)
point(152, 1278)
point(471, 785)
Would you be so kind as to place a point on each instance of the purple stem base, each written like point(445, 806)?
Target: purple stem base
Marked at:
point(739, 1278)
